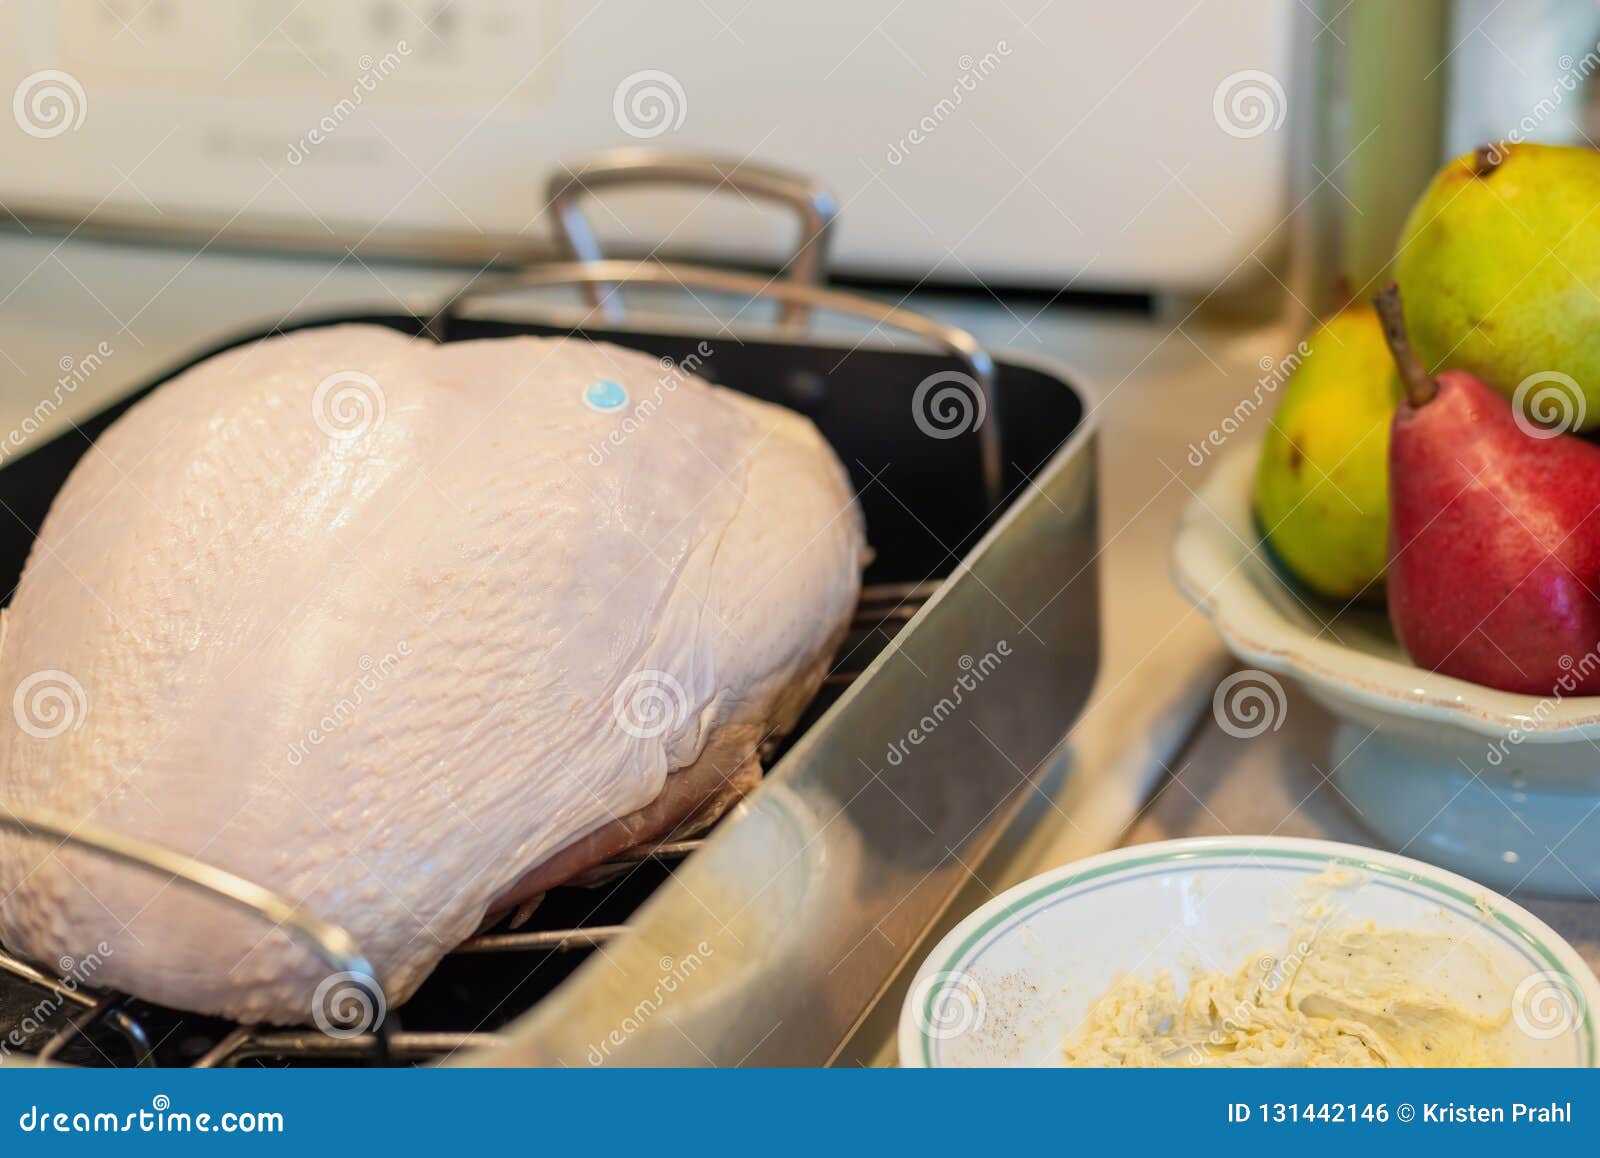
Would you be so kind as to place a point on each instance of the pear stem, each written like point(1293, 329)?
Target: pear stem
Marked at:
point(1343, 292)
point(1420, 386)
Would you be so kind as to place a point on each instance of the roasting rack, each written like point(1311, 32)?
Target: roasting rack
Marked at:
point(811, 203)
point(795, 287)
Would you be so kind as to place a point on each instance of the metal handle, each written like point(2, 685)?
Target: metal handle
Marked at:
point(813, 204)
point(332, 944)
point(967, 349)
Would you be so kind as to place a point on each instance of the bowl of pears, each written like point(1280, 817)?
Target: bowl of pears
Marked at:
point(1415, 539)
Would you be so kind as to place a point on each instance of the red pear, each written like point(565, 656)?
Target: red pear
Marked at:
point(1494, 534)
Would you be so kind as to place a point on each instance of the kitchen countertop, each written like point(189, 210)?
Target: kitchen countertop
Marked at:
point(1162, 382)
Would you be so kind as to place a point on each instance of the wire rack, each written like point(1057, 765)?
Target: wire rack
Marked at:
point(481, 987)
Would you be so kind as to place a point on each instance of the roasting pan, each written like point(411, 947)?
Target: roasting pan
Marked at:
point(768, 942)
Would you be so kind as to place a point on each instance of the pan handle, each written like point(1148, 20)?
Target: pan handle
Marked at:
point(975, 360)
point(329, 941)
point(813, 204)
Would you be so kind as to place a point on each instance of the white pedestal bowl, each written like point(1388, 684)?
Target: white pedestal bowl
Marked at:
point(1500, 787)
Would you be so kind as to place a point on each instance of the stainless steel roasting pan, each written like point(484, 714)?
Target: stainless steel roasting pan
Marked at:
point(975, 649)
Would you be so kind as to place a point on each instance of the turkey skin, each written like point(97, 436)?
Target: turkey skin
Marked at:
point(405, 633)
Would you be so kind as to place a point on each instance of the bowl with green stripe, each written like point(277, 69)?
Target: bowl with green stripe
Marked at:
point(1014, 981)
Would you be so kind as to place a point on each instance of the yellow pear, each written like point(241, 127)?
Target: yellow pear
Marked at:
point(1499, 266)
point(1322, 487)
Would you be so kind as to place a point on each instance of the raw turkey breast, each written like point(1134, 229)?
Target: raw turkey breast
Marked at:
point(405, 633)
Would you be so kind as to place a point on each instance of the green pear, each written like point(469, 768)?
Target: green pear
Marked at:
point(1499, 266)
point(1322, 487)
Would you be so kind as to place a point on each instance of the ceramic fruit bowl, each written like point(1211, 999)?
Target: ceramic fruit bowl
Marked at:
point(1012, 982)
point(1504, 788)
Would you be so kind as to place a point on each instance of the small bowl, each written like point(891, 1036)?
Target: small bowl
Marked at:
point(1011, 983)
point(1502, 787)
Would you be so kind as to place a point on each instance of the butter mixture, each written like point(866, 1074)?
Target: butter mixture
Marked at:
point(1356, 996)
